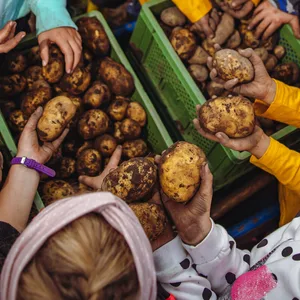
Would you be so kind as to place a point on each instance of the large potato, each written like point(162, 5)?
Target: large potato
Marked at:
point(57, 114)
point(54, 70)
point(96, 95)
point(173, 17)
point(89, 163)
point(132, 180)
point(77, 82)
point(118, 79)
point(15, 62)
point(130, 129)
point(136, 148)
point(136, 112)
point(67, 167)
point(152, 218)
point(200, 57)
point(39, 95)
point(117, 109)
point(12, 85)
point(180, 170)
point(230, 64)
point(106, 145)
point(56, 190)
point(184, 43)
point(234, 116)
point(286, 72)
point(17, 120)
point(33, 74)
point(93, 123)
point(93, 35)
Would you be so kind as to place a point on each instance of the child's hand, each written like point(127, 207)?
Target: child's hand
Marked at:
point(8, 40)
point(239, 8)
point(29, 145)
point(207, 24)
point(262, 87)
point(96, 182)
point(267, 19)
point(69, 42)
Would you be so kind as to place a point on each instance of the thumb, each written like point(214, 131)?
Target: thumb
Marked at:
point(89, 181)
point(223, 138)
point(44, 52)
point(295, 26)
point(252, 56)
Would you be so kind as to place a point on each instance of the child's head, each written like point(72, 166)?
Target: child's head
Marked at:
point(86, 247)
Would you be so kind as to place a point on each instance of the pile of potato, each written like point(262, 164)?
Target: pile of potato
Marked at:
point(231, 35)
point(93, 102)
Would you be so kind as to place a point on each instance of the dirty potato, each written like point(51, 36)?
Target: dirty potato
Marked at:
point(135, 148)
point(96, 95)
point(214, 89)
point(54, 70)
point(15, 62)
point(230, 64)
point(200, 57)
point(12, 85)
point(33, 56)
point(33, 74)
point(136, 112)
point(86, 145)
point(17, 120)
point(198, 72)
point(180, 170)
point(89, 163)
point(106, 145)
point(117, 109)
point(130, 129)
point(132, 180)
point(67, 167)
point(56, 189)
point(93, 123)
point(232, 115)
point(262, 53)
point(117, 134)
point(56, 116)
point(173, 17)
point(152, 218)
point(286, 72)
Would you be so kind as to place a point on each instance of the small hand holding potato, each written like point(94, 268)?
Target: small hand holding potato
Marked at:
point(89, 162)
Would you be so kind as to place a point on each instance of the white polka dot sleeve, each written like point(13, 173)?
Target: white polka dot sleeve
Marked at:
point(177, 276)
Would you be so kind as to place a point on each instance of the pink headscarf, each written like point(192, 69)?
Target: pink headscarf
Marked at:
point(58, 215)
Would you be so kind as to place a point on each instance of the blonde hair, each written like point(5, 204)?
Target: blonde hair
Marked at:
point(88, 259)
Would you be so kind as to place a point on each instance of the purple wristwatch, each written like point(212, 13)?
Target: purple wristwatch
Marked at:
point(32, 164)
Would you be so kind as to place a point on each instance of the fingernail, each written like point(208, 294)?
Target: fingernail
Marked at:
point(206, 168)
point(211, 36)
point(219, 135)
point(119, 147)
point(249, 27)
point(23, 35)
point(39, 109)
point(69, 71)
point(44, 63)
point(80, 178)
point(11, 23)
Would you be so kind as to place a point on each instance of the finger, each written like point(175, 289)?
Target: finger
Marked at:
point(198, 107)
point(244, 10)
point(44, 52)
point(5, 32)
point(210, 63)
point(77, 53)
point(89, 181)
point(269, 31)
point(212, 24)
point(217, 47)
point(237, 3)
point(203, 133)
point(257, 19)
point(58, 141)
point(67, 50)
point(207, 30)
point(157, 159)
point(259, 9)
point(12, 32)
point(33, 120)
point(261, 28)
point(115, 159)
point(11, 44)
point(295, 26)
point(230, 84)
point(215, 16)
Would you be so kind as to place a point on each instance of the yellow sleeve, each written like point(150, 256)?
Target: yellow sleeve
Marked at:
point(285, 108)
point(91, 6)
point(194, 9)
point(255, 2)
point(281, 162)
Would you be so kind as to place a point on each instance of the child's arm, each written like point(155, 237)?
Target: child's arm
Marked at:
point(20, 187)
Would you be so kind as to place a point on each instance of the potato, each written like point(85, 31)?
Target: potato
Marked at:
point(250, 40)
point(152, 218)
point(39, 95)
point(234, 40)
point(106, 145)
point(200, 57)
point(117, 110)
point(136, 112)
point(93, 123)
point(82, 189)
point(279, 51)
point(67, 167)
point(57, 114)
point(262, 53)
point(230, 64)
point(53, 71)
point(55, 52)
point(15, 62)
point(271, 42)
point(77, 82)
point(33, 56)
point(87, 56)
point(54, 190)
point(89, 163)
point(17, 120)
point(214, 89)
point(179, 171)
point(12, 85)
point(167, 29)
point(118, 135)
point(210, 49)
point(173, 17)
point(234, 116)
point(70, 147)
point(7, 107)
point(118, 79)
point(184, 43)
point(130, 129)
point(93, 35)
point(135, 148)
point(86, 145)
point(198, 72)
point(132, 180)
point(271, 62)
point(224, 30)
point(33, 74)
point(96, 95)
point(286, 72)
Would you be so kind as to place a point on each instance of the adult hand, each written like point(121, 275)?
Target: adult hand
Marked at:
point(69, 42)
point(257, 143)
point(207, 24)
point(192, 220)
point(267, 19)
point(239, 8)
point(96, 182)
point(8, 40)
point(263, 87)
point(29, 145)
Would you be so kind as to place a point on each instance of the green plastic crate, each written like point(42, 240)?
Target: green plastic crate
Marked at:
point(157, 135)
point(166, 74)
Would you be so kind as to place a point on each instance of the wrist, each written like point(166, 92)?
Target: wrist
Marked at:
point(261, 147)
point(29, 155)
point(270, 92)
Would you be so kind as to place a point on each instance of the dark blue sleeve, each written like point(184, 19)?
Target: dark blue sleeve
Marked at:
point(288, 6)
